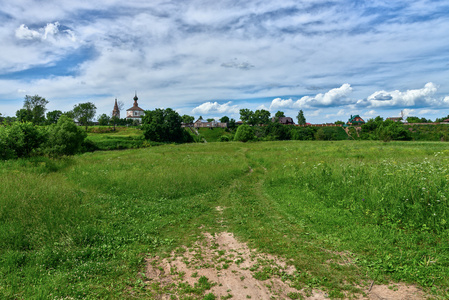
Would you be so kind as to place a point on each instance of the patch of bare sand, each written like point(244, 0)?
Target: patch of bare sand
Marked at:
point(233, 268)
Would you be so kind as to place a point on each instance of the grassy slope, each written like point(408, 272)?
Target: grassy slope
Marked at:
point(213, 134)
point(81, 227)
point(122, 138)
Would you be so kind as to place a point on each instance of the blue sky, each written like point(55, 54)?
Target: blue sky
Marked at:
point(332, 59)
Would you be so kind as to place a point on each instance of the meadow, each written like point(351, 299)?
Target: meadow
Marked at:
point(81, 227)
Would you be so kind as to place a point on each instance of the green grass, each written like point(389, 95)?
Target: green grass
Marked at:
point(105, 138)
point(213, 134)
point(81, 227)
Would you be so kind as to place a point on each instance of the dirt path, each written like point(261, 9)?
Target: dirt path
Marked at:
point(233, 271)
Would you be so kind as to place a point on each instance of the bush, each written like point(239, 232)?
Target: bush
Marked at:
point(303, 133)
point(331, 134)
point(64, 138)
point(224, 138)
point(20, 140)
point(244, 133)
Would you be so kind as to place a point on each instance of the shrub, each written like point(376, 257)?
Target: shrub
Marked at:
point(303, 133)
point(64, 138)
point(244, 133)
point(224, 138)
point(20, 140)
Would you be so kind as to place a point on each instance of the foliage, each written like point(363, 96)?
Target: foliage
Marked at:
point(303, 133)
point(279, 114)
point(246, 115)
point(164, 125)
point(339, 123)
point(260, 116)
point(104, 119)
point(390, 130)
point(187, 119)
point(24, 115)
point(224, 119)
point(231, 124)
point(84, 113)
point(418, 120)
point(35, 105)
point(20, 140)
point(438, 120)
point(330, 134)
point(64, 138)
point(244, 133)
point(210, 119)
point(300, 117)
point(224, 138)
point(276, 131)
point(53, 116)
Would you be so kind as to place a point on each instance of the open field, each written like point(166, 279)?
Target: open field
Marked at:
point(341, 213)
point(122, 138)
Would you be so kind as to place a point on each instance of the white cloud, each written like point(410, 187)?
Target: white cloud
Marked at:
point(446, 100)
point(408, 98)
point(44, 33)
point(262, 106)
point(24, 33)
point(315, 113)
point(370, 114)
point(332, 97)
point(281, 103)
point(215, 107)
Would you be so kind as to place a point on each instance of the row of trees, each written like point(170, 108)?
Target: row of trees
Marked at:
point(34, 108)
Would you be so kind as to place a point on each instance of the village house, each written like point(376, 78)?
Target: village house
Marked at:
point(355, 121)
point(135, 112)
point(200, 123)
point(395, 119)
point(283, 120)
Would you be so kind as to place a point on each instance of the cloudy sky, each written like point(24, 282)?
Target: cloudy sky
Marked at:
point(211, 58)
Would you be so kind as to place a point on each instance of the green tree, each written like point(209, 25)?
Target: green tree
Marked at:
point(53, 116)
point(210, 120)
point(104, 119)
point(300, 117)
point(438, 120)
point(246, 115)
point(279, 114)
point(244, 133)
point(164, 125)
point(339, 122)
point(84, 113)
point(64, 137)
point(231, 124)
point(224, 119)
point(36, 106)
point(186, 119)
point(24, 115)
point(261, 116)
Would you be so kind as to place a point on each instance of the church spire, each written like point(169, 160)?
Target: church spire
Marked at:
point(116, 110)
point(135, 100)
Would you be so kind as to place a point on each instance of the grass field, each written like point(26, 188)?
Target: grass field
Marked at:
point(213, 134)
point(81, 227)
point(105, 138)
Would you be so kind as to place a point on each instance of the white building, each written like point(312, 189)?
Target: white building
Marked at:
point(135, 112)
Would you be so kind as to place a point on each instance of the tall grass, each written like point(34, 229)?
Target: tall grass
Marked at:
point(81, 227)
